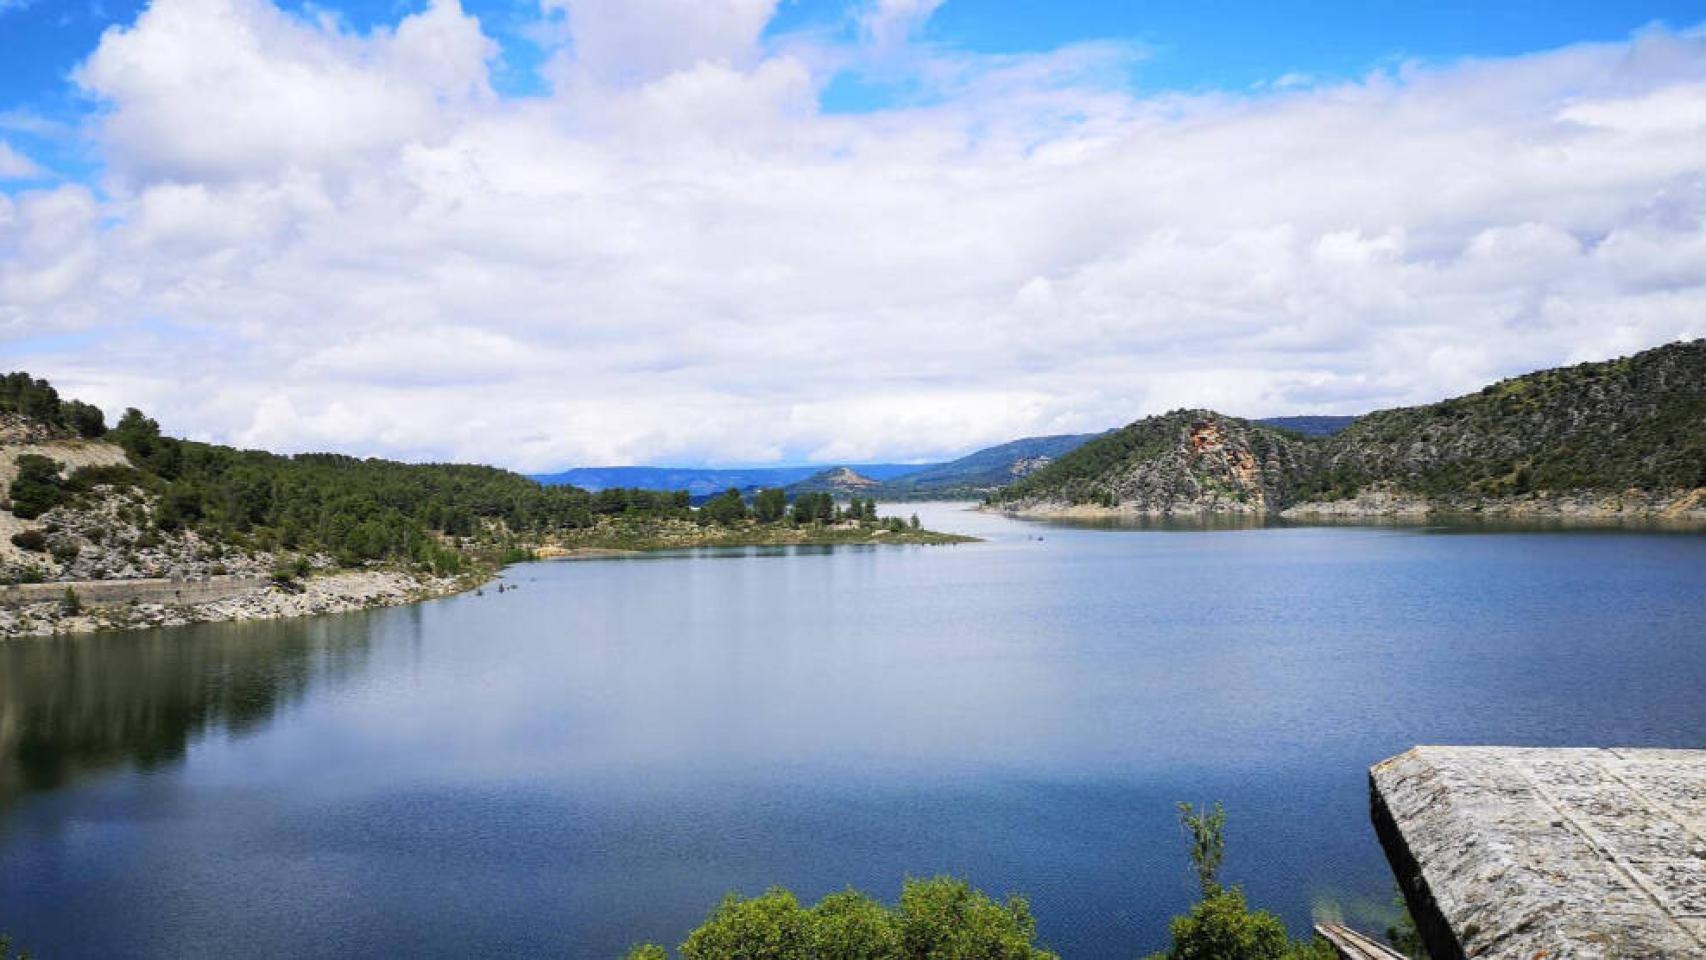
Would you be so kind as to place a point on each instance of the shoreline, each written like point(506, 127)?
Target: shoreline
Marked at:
point(343, 591)
point(37, 610)
point(1679, 510)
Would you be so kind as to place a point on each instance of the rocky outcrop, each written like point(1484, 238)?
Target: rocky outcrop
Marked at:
point(1615, 441)
point(1184, 463)
point(105, 605)
point(836, 480)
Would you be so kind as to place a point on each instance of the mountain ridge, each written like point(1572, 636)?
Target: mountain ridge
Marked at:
point(1618, 438)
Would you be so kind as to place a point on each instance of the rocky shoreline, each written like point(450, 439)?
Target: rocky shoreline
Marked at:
point(338, 592)
point(1682, 508)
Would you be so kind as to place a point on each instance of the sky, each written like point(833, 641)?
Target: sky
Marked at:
point(547, 233)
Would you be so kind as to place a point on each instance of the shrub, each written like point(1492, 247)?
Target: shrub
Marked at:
point(71, 604)
point(32, 540)
point(939, 918)
point(1221, 926)
point(37, 488)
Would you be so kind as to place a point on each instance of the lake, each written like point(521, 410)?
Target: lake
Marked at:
point(597, 757)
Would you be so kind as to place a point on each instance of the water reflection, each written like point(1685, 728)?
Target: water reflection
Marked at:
point(73, 706)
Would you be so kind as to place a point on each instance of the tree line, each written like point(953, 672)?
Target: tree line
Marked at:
point(37, 399)
point(353, 509)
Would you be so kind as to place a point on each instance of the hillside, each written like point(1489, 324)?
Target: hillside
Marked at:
point(149, 526)
point(978, 473)
point(1309, 426)
point(840, 481)
point(1621, 438)
point(1183, 462)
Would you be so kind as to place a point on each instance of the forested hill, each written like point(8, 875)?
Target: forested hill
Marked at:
point(60, 454)
point(87, 502)
point(1634, 423)
point(1635, 426)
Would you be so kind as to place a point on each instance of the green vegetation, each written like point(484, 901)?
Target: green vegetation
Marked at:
point(440, 517)
point(6, 950)
point(33, 541)
point(1221, 926)
point(1638, 423)
point(37, 488)
point(1635, 423)
point(36, 399)
point(938, 919)
point(1402, 934)
point(1082, 475)
point(945, 919)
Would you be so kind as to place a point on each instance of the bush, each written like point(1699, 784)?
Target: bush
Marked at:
point(1221, 926)
point(71, 604)
point(32, 540)
point(939, 919)
point(37, 488)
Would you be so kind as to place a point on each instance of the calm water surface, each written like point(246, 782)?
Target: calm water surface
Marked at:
point(597, 757)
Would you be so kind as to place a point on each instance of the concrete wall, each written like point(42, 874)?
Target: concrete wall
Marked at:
point(141, 590)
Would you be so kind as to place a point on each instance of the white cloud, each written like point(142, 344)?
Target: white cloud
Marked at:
point(16, 166)
point(889, 23)
point(314, 238)
point(221, 89)
point(630, 42)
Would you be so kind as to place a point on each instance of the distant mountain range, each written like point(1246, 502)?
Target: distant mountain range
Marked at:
point(971, 476)
point(1623, 438)
point(701, 482)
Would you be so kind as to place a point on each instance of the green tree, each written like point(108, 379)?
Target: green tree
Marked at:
point(937, 919)
point(726, 509)
point(1208, 844)
point(1221, 925)
point(770, 505)
point(6, 950)
point(770, 927)
point(945, 919)
point(37, 488)
point(85, 418)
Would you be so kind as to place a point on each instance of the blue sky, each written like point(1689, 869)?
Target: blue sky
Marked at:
point(1188, 45)
point(561, 232)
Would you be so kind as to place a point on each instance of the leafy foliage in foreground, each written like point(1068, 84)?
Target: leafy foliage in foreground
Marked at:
point(1221, 925)
point(938, 919)
point(945, 919)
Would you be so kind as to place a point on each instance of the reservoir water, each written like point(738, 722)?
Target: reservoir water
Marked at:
point(597, 757)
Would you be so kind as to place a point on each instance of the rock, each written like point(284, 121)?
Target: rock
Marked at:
point(1524, 853)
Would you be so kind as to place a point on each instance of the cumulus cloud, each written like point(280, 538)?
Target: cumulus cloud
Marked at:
point(314, 238)
point(219, 89)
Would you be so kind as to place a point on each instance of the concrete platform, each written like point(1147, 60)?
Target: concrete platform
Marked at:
point(1548, 853)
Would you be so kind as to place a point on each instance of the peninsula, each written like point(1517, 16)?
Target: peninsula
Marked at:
point(128, 527)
